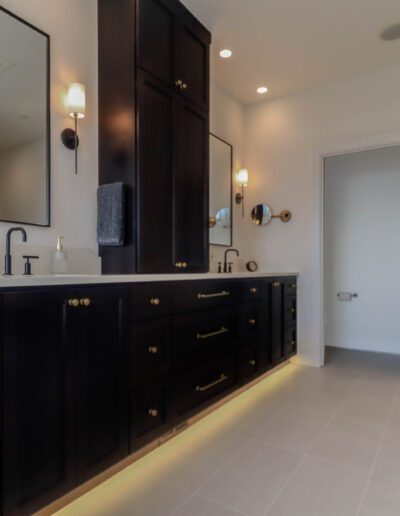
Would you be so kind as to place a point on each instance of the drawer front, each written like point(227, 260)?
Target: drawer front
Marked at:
point(251, 320)
point(251, 290)
point(205, 295)
point(290, 310)
point(150, 301)
point(202, 386)
point(249, 363)
point(150, 349)
point(204, 334)
point(290, 343)
point(149, 414)
point(290, 285)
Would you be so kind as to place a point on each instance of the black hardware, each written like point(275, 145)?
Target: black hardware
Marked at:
point(28, 265)
point(226, 258)
point(7, 257)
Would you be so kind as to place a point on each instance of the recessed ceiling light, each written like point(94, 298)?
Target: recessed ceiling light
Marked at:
point(262, 89)
point(225, 53)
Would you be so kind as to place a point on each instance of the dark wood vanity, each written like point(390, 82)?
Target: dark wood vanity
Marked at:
point(91, 374)
point(154, 133)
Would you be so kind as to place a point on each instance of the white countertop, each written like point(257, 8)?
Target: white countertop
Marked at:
point(38, 281)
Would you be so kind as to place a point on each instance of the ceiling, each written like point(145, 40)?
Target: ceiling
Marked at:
point(293, 45)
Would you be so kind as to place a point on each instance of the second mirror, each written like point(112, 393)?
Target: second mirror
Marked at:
point(261, 214)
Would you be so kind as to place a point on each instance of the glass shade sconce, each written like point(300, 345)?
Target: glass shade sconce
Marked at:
point(242, 179)
point(76, 105)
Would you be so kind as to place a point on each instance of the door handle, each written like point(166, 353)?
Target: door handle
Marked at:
point(213, 333)
point(224, 293)
point(203, 388)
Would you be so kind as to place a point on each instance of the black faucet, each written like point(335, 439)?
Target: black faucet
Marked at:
point(8, 258)
point(226, 259)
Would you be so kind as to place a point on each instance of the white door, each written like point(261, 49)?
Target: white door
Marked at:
point(362, 250)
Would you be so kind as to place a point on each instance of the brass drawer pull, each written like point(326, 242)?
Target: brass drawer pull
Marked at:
point(293, 343)
point(252, 363)
point(252, 321)
point(213, 333)
point(254, 290)
point(293, 310)
point(85, 302)
point(155, 301)
point(203, 388)
point(153, 412)
point(184, 86)
point(73, 302)
point(293, 285)
point(181, 265)
point(179, 83)
point(276, 284)
point(224, 293)
point(153, 350)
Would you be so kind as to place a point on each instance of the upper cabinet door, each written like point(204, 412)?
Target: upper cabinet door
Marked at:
point(192, 44)
point(155, 38)
point(191, 190)
point(155, 171)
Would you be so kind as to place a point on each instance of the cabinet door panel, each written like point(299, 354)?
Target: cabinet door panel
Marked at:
point(102, 390)
point(193, 62)
point(155, 39)
point(191, 190)
point(155, 176)
point(37, 439)
point(277, 347)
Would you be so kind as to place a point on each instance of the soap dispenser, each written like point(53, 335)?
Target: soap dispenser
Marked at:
point(59, 258)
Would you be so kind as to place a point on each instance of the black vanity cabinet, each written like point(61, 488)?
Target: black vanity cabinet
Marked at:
point(63, 392)
point(154, 136)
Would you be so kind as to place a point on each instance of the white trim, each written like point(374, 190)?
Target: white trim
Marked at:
point(359, 145)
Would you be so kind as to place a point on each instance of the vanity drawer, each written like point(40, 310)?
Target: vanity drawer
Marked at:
point(290, 285)
point(204, 334)
point(290, 344)
point(204, 295)
point(204, 385)
point(251, 290)
point(149, 414)
point(249, 363)
point(150, 300)
point(289, 310)
point(150, 349)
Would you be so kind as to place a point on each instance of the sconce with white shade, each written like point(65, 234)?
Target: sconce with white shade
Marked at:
point(76, 106)
point(242, 179)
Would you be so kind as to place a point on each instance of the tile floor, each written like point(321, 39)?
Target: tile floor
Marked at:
point(304, 442)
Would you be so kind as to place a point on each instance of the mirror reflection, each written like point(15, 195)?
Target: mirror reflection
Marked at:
point(221, 191)
point(261, 214)
point(24, 114)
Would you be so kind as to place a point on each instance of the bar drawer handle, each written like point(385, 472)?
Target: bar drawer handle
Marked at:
point(153, 412)
point(155, 301)
point(253, 290)
point(213, 333)
point(252, 322)
point(203, 388)
point(224, 293)
point(181, 265)
point(153, 350)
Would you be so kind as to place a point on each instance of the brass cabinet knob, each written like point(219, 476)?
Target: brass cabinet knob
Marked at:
point(252, 322)
point(252, 363)
point(155, 301)
point(179, 83)
point(153, 350)
point(181, 265)
point(293, 285)
point(293, 310)
point(184, 86)
point(153, 412)
point(276, 284)
point(73, 302)
point(253, 290)
point(85, 302)
point(293, 342)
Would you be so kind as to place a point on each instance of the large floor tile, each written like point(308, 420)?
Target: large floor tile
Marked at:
point(320, 401)
point(388, 460)
point(251, 480)
point(347, 441)
point(382, 498)
point(197, 506)
point(372, 408)
point(320, 488)
point(296, 429)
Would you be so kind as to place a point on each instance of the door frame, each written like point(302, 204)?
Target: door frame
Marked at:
point(337, 149)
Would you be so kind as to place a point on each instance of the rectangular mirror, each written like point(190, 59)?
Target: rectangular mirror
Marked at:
point(221, 162)
point(24, 122)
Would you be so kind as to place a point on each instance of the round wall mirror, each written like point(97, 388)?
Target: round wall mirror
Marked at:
point(261, 214)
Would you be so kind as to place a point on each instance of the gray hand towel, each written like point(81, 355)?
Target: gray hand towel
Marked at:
point(111, 215)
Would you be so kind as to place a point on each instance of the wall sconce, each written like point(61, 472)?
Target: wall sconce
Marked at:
point(76, 105)
point(242, 179)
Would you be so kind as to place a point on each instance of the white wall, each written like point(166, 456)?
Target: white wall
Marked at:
point(282, 140)
point(362, 249)
point(72, 25)
point(227, 122)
